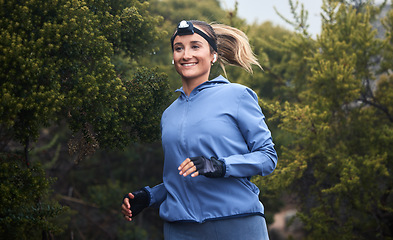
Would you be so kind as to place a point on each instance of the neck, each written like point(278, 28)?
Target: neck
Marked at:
point(190, 84)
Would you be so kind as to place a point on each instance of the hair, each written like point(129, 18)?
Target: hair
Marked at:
point(234, 48)
point(232, 45)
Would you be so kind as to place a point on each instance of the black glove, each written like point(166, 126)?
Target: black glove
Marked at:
point(141, 201)
point(212, 167)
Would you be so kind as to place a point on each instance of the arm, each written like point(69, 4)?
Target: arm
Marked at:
point(262, 157)
point(135, 202)
point(157, 195)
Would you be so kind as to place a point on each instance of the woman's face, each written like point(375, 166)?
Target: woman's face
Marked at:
point(192, 57)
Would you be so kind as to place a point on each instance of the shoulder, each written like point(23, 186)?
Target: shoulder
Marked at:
point(234, 87)
point(241, 91)
point(172, 107)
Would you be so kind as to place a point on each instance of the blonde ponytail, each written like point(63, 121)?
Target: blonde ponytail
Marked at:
point(234, 48)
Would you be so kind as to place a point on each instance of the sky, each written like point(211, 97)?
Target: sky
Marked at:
point(263, 10)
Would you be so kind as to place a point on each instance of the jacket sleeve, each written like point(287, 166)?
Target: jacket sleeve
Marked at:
point(262, 157)
point(157, 195)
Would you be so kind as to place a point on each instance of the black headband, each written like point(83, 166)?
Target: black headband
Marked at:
point(187, 28)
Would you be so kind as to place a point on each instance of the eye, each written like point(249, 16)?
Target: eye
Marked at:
point(178, 48)
point(195, 46)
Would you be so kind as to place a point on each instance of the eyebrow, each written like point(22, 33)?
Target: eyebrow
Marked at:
point(180, 43)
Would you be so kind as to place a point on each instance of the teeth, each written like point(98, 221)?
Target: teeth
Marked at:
point(188, 64)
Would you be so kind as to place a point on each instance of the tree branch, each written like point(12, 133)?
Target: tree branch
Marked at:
point(378, 106)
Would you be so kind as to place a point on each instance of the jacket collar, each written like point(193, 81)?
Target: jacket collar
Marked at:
point(208, 84)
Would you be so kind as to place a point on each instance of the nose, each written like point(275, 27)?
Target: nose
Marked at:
point(187, 54)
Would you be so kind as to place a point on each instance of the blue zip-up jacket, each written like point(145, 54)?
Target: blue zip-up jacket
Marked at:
point(220, 119)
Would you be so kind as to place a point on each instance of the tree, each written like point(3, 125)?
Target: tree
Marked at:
point(27, 212)
point(339, 163)
point(56, 69)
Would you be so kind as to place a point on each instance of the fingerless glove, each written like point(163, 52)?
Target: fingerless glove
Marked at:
point(141, 201)
point(211, 168)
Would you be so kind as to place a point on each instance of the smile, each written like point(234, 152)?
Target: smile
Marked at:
point(188, 64)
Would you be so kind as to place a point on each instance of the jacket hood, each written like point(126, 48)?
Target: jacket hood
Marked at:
point(208, 84)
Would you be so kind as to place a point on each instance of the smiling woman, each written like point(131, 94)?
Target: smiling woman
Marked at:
point(215, 139)
point(192, 59)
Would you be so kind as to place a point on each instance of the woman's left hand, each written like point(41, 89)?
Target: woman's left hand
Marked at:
point(187, 167)
point(212, 168)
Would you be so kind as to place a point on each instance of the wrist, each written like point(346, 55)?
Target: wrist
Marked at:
point(143, 196)
point(221, 166)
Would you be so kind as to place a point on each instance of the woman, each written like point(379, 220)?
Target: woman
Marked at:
point(214, 139)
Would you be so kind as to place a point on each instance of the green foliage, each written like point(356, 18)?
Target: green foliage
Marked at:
point(128, 25)
point(149, 91)
point(98, 186)
point(339, 162)
point(177, 10)
point(57, 68)
point(56, 64)
point(26, 211)
point(136, 115)
point(388, 42)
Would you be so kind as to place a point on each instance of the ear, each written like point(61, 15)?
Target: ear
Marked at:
point(215, 58)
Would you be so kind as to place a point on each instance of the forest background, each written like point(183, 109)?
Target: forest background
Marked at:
point(84, 83)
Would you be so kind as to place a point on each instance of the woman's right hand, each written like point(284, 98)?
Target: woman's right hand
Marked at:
point(126, 207)
point(134, 203)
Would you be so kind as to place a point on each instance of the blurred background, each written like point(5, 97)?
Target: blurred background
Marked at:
point(84, 84)
point(264, 10)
